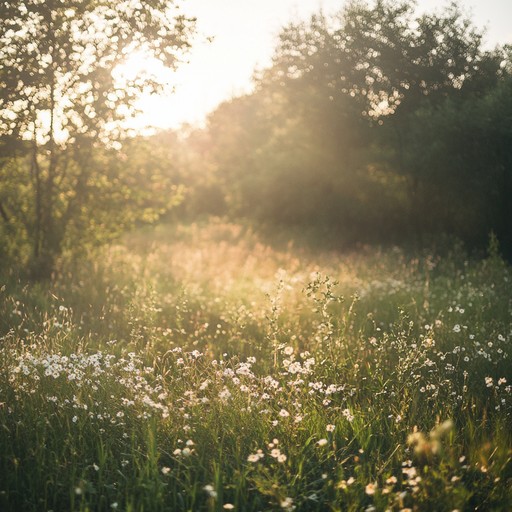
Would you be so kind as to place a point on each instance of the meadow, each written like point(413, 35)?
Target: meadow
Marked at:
point(199, 367)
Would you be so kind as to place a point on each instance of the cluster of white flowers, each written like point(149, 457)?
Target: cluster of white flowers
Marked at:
point(79, 381)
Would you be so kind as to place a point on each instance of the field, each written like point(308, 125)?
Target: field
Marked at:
point(199, 367)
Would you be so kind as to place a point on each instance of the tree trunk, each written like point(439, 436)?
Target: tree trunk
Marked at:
point(3, 214)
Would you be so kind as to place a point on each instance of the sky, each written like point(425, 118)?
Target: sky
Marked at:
point(244, 37)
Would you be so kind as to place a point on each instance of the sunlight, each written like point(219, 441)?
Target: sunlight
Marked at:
point(189, 92)
point(152, 107)
point(140, 63)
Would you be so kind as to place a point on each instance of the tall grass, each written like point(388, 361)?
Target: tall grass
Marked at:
point(196, 368)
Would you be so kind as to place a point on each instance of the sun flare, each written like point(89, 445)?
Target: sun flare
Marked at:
point(153, 108)
point(139, 64)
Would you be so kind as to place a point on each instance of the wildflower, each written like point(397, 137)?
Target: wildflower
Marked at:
point(347, 483)
point(287, 503)
point(210, 490)
point(442, 430)
point(228, 506)
point(275, 453)
point(322, 442)
point(255, 456)
point(165, 470)
point(418, 441)
point(348, 415)
point(330, 428)
point(225, 394)
point(370, 488)
point(284, 413)
point(409, 472)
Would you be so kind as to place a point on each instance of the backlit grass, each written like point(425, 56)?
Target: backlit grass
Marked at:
point(197, 368)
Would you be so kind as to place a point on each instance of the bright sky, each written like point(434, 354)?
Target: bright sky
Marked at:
point(245, 34)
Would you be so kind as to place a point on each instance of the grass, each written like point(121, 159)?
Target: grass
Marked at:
point(196, 368)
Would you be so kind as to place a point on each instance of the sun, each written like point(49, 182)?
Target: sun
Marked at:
point(153, 107)
point(140, 63)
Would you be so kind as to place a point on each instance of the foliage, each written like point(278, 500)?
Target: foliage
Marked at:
point(458, 156)
point(197, 368)
point(61, 104)
point(376, 125)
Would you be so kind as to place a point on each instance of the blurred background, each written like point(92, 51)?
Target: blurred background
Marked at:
point(383, 122)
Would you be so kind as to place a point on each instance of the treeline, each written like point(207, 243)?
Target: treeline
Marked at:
point(376, 125)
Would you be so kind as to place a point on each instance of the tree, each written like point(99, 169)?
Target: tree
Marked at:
point(365, 84)
point(61, 106)
point(461, 150)
point(383, 55)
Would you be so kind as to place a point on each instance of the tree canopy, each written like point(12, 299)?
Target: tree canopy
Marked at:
point(61, 101)
point(379, 123)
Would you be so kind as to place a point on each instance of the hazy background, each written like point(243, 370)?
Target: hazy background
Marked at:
point(381, 123)
point(244, 37)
